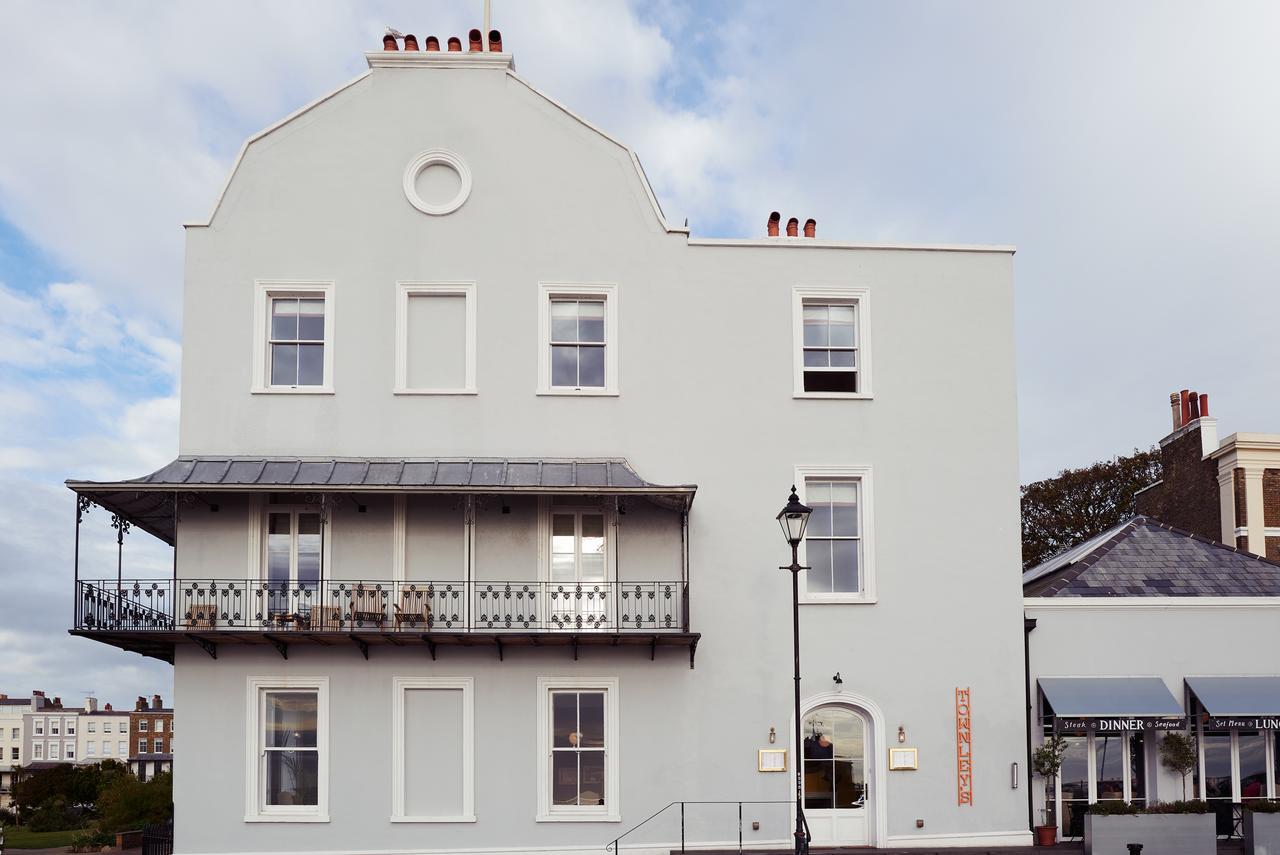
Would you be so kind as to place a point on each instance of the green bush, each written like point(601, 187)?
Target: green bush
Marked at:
point(7, 817)
point(92, 840)
point(1263, 807)
point(1118, 808)
point(127, 804)
point(54, 814)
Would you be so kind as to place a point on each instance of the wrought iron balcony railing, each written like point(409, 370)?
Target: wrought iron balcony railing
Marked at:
point(364, 606)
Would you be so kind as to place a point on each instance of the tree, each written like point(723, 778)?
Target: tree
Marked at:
point(1179, 754)
point(1045, 762)
point(1077, 504)
point(126, 804)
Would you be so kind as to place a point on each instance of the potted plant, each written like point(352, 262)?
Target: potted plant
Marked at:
point(1261, 827)
point(1172, 828)
point(1180, 755)
point(1046, 762)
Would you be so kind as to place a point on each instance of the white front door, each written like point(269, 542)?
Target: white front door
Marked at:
point(835, 776)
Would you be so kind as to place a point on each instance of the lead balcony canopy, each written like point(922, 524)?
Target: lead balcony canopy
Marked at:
point(149, 502)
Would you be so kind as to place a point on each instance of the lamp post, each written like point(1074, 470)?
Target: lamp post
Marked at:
point(793, 519)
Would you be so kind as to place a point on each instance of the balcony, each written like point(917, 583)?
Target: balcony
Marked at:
point(145, 615)
point(312, 527)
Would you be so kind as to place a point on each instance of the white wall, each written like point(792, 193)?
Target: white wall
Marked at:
point(706, 397)
point(1150, 637)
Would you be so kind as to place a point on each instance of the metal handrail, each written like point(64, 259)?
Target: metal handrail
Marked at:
point(340, 605)
point(613, 847)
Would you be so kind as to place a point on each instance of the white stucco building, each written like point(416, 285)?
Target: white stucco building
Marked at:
point(443, 578)
point(103, 734)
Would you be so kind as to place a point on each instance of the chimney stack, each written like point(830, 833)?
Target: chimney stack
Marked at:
point(140, 704)
point(793, 227)
point(495, 41)
point(774, 219)
point(3, 696)
point(475, 43)
point(810, 227)
point(156, 703)
point(410, 42)
point(433, 44)
point(107, 708)
point(90, 704)
point(455, 44)
point(389, 42)
point(57, 703)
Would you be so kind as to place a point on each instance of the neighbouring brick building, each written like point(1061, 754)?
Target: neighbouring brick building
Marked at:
point(1226, 490)
point(150, 738)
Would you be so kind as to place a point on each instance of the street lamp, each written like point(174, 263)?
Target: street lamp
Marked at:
point(793, 519)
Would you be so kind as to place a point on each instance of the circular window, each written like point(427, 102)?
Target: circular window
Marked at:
point(437, 182)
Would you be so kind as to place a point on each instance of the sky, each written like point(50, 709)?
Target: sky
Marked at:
point(1127, 150)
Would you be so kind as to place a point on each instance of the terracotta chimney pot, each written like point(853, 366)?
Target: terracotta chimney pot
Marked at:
point(1176, 409)
point(1204, 405)
point(1184, 400)
point(793, 227)
point(476, 43)
point(410, 42)
point(455, 44)
point(774, 219)
point(389, 42)
point(433, 43)
point(1194, 400)
point(495, 41)
point(810, 227)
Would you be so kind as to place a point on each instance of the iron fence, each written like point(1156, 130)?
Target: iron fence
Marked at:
point(381, 606)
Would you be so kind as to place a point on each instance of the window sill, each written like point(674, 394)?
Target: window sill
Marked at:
point(836, 601)
point(834, 396)
point(291, 390)
point(286, 817)
point(578, 817)
point(467, 391)
point(580, 393)
point(470, 818)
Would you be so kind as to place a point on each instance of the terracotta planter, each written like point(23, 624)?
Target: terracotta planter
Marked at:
point(1046, 835)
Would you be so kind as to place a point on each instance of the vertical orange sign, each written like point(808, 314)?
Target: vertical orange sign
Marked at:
point(964, 748)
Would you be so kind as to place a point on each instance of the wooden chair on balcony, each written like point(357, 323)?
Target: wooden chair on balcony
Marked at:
point(413, 609)
point(201, 616)
point(368, 607)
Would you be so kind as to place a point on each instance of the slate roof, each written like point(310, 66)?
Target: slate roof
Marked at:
point(147, 502)
point(1146, 558)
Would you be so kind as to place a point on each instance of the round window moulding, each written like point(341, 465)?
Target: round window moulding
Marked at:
point(437, 157)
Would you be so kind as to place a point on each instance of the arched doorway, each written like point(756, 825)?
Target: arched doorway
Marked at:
point(838, 748)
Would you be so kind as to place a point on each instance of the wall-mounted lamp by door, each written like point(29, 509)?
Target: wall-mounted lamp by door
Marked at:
point(773, 736)
point(902, 734)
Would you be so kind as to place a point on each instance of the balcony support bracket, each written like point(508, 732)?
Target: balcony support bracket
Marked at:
point(693, 651)
point(362, 644)
point(498, 641)
point(280, 646)
point(653, 648)
point(205, 645)
point(431, 645)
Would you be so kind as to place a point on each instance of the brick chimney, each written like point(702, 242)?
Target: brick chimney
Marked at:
point(156, 703)
point(1186, 497)
point(140, 704)
point(107, 708)
point(90, 704)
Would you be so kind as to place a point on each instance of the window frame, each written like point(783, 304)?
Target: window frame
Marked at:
point(611, 811)
point(605, 291)
point(866, 523)
point(405, 290)
point(255, 810)
point(860, 298)
point(265, 290)
point(400, 686)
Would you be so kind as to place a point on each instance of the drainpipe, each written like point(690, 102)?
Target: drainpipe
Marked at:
point(1028, 624)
